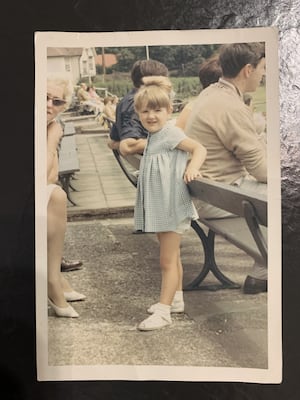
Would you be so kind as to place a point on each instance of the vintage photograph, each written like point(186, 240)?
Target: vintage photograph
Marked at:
point(157, 192)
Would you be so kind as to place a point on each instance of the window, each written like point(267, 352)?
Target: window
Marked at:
point(91, 64)
point(67, 64)
point(84, 68)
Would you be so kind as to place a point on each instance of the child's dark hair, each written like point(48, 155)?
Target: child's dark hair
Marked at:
point(144, 68)
point(156, 92)
point(210, 71)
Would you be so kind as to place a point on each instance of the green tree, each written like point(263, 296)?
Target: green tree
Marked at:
point(126, 56)
point(182, 60)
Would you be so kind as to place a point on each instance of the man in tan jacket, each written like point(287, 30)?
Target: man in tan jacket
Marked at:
point(223, 124)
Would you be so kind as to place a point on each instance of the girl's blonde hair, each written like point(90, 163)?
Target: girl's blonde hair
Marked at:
point(156, 92)
point(65, 83)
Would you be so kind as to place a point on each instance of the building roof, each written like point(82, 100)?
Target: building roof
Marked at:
point(64, 51)
point(110, 59)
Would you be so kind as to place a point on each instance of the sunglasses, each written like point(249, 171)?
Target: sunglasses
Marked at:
point(55, 101)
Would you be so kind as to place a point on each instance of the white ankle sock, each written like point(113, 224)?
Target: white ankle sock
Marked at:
point(178, 297)
point(164, 308)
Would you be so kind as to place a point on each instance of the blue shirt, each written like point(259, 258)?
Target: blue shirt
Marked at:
point(127, 121)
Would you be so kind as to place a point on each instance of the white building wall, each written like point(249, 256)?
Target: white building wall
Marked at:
point(67, 66)
point(75, 68)
point(87, 63)
point(55, 65)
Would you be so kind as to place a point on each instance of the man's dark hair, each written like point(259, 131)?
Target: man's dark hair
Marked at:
point(210, 71)
point(233, 57)
point(143, 68)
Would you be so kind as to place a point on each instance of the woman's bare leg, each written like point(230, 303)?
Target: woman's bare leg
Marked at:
point(56, 228)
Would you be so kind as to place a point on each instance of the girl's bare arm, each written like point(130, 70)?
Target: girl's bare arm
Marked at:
point(198, 153)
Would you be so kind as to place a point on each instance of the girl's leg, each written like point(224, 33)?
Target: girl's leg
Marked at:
point(180, 272)
point(169, 253)
point(177, 305)
point(170, 265)
point(56, 227)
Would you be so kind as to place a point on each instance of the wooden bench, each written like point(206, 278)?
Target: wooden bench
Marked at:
point(79, 108)
point(247, 229)
point(68, 159)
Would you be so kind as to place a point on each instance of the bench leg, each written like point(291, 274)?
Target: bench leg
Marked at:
point(71, 186)
point(129, 176)
point(65, 182)
point(210, 265)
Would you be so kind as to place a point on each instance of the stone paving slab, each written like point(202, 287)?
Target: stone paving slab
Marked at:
point(121, 278)
point(101, 186)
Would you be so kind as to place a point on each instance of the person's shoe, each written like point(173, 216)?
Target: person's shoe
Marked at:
point(67, 312)
point(157, 320)
point(254, 285)
point(176, 307)
point(74, 296)
point(70, 265)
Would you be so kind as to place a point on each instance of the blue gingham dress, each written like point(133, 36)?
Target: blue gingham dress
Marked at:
point(163, 200)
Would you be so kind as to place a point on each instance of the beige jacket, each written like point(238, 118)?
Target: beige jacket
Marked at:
point(224, 125)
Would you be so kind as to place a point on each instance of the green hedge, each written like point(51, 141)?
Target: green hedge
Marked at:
point(184, 87)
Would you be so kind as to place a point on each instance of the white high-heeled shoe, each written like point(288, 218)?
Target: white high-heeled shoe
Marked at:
point(67, 312)
point(74, 296)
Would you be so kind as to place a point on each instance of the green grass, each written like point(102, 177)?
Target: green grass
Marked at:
point(185, 88)
point(120, 84)
point(259, 99)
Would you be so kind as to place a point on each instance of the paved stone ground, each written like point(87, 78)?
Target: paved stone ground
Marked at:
point(101, 187)
point(121, 278)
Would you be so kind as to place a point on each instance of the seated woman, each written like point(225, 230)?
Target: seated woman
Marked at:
point(109, 109)
point(108, 113)
point(87, 101)
point(95, 98)
point(59, 290)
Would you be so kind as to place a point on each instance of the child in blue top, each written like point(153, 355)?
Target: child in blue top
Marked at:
point(163, 204)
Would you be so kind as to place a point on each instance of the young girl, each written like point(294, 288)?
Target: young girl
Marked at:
point(163, 204)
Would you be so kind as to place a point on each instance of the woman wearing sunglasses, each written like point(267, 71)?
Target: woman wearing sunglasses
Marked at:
point(59, 94)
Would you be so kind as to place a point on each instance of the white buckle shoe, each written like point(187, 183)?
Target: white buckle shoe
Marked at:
point(156, 321)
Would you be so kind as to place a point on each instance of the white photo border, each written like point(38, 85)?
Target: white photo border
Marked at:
point(273, 374)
